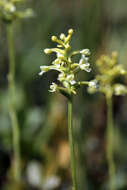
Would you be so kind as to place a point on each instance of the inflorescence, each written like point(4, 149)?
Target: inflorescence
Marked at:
point(109, 71)
point(66, 67)
point(9, 10)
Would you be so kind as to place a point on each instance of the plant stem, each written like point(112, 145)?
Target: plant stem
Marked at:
point(71, 141)
point(110, 140)
point(12, 111)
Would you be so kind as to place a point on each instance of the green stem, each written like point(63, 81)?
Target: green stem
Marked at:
point(110, 140)
point(12, 111)
point(71, 141)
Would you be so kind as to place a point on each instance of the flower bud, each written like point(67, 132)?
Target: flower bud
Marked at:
point(85, 52)
point(54, 38)
point(44, 69)
point(70, 31)
point(47, 51)
point(62, 36)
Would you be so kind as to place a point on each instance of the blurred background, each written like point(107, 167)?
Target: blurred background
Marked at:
point(101, 26)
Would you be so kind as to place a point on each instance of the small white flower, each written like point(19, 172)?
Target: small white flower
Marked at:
point(59, 55)
point(72, 82)
point(67, 79)
point(56, 61)
point(85, 52)
point(83, 60)
point(120, 89)
point(10, 7)
point(53, 87)
point(43, 69)
point(70, 79)
point(66, 84)
point(62, 36)
point(93, 84)
point(85, 67)
point(83, 63)
point(57, 66)
point(61, 77)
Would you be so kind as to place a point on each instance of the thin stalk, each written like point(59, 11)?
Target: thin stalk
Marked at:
point(110, 140)
point(71, 141)
point(12, 111)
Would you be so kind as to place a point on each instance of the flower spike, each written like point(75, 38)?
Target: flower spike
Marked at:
point(9, 10)
point(109, 70)
point(65, 66)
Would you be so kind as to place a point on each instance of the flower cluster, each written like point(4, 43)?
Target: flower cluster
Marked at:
point(109, 71)
point(65, 66)
point(9, 12)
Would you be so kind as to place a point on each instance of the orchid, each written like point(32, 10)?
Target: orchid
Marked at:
point(108, 72)
point(68, 81)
